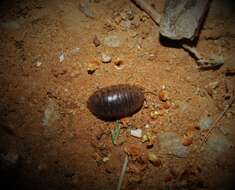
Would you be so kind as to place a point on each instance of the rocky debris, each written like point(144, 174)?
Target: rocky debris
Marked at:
point(183, 18)
point(170, 143)
point(108, 26)
point(126, 19)
point(112, 41)
point(105, 58)
point(123, 15)
point(205, 123)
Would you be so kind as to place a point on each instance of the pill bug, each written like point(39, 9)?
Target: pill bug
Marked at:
point(115, 102)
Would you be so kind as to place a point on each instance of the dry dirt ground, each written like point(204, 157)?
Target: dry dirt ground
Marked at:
point(49, 66)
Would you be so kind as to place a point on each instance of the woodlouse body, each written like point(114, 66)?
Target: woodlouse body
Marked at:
point(116, 102)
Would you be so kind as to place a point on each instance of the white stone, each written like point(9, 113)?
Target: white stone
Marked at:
point(105, 58)
point(61, 57)
point(136, 133)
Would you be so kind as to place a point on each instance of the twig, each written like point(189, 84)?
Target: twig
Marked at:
point(124, 167)
point(156, 17)
point(193, 51)
point(213, 62)
point(217, 120)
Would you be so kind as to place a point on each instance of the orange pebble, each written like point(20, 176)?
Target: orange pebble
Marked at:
point(163, 95)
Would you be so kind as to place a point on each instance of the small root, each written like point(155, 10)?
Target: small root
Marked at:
point(124, 167)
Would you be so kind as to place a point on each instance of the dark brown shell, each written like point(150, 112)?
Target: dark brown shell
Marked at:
point(116, 102)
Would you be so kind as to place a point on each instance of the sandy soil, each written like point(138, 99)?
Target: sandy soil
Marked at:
point(49, 66)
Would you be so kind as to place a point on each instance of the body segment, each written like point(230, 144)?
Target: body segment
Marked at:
point(116, 101)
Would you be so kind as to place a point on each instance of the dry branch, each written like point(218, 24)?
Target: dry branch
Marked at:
point(124, 167)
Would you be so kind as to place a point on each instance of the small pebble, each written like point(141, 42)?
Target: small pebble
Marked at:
point(61, 57)
point(187, 141)
point(92, 67)
point(147, 126)
point(38, 63)
point(75, 51)
point(145, 138)
point(136, 133)
point(105, 58)
point(154, 159)
point(210, 88)
point(105, 159)
point(163, 95)
point(154, 114)
point(166, 105)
